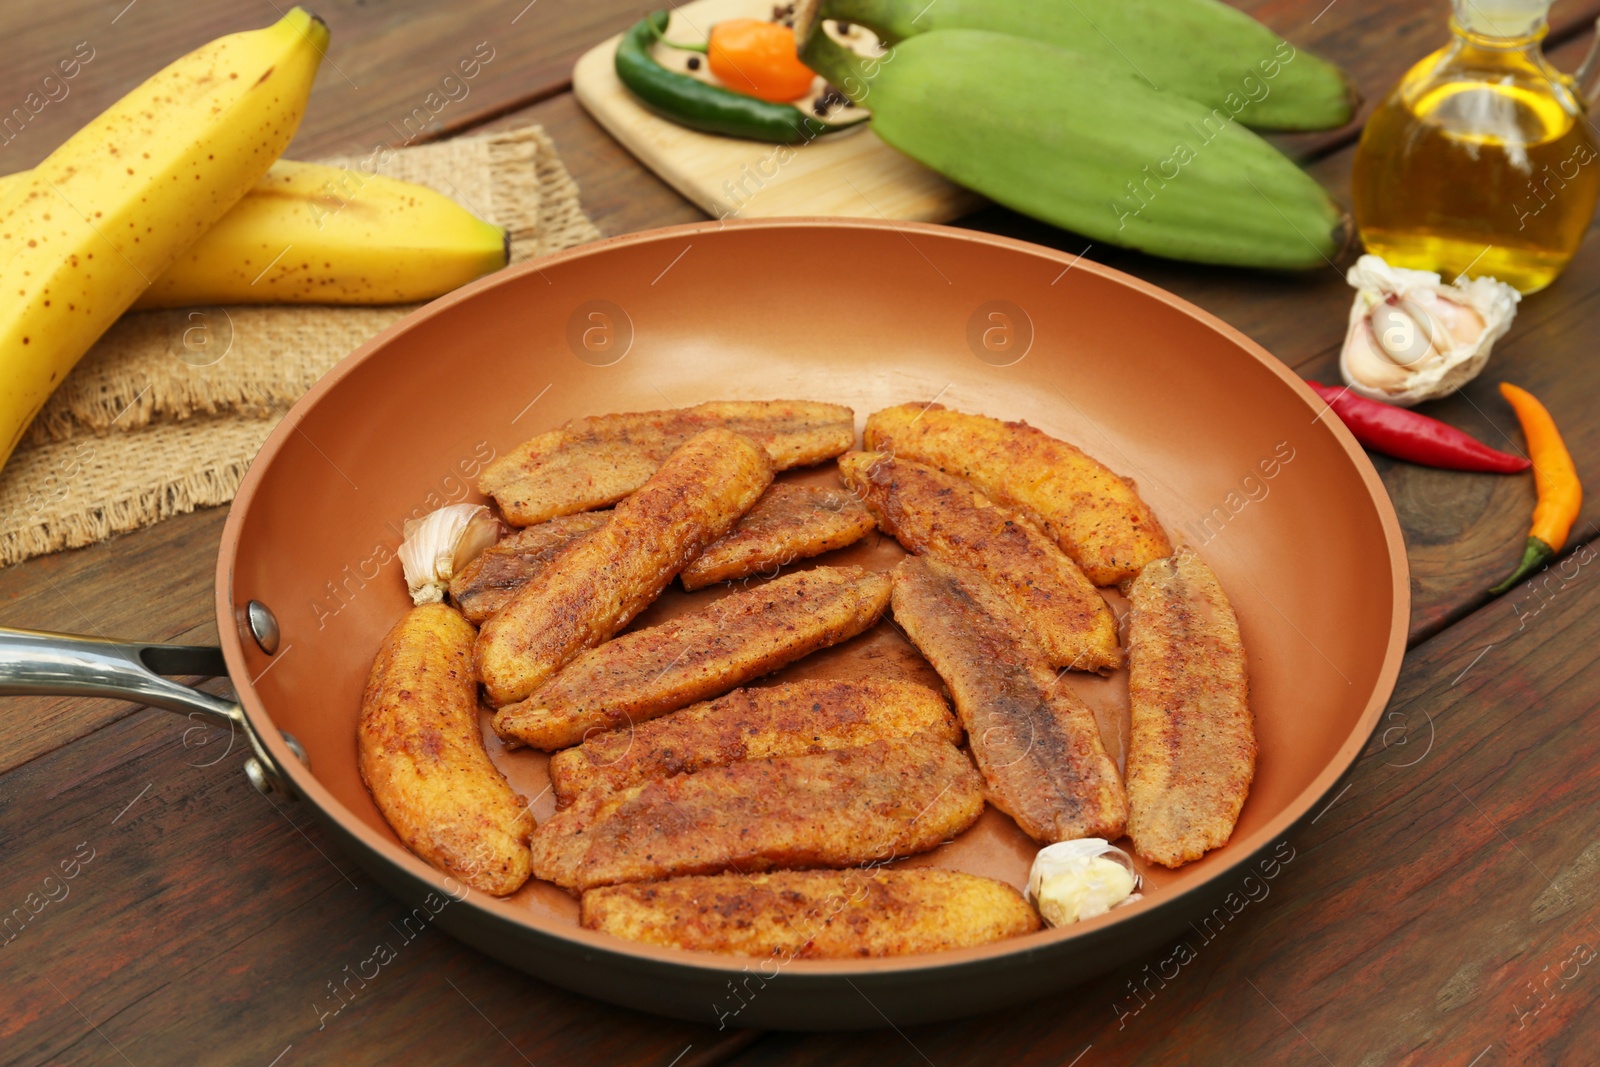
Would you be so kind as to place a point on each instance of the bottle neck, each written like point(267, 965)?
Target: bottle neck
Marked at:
point(1501, 23)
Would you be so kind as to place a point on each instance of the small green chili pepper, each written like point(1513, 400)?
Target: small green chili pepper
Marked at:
point(700, 106)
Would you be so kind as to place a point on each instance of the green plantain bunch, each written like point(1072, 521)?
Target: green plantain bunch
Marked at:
point(1124, 120)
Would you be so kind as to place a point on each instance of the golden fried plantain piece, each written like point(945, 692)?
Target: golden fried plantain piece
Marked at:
point(1192, 750)
point(949, 519)
point(789, 522)
point(781, 720)
point(742, 636)
point(422, 756)
point(1095, 516)
point(593, 462)
point(1037, 744)
point(829, 809)
point(488, 583)
point(599, 582)
point(786, 915)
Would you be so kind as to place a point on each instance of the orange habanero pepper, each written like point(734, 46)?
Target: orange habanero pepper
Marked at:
point(758, 58)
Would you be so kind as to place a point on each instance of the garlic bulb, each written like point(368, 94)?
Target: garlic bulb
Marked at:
point(442, 542)
point(1413, 339)
point(1075, 880)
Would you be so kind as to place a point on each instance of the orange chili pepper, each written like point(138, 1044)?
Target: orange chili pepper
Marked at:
point(759, 59)
point(1560, 494)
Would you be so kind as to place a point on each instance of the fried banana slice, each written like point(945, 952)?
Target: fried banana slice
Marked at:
point(422, 756)
point(942, 516)
point(601, 581)
point(829, 809)
point(593, 462)
point(786, 915)
point(1037, 744)
point(781, 720)
point(789, 522)
point(729, 642)
point(1192, 750)
point(1095, 516)
point(488, 583)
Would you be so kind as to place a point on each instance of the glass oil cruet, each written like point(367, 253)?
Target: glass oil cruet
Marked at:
point(1482, 161)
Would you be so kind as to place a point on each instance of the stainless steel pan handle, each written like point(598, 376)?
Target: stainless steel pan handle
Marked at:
point(39, 662)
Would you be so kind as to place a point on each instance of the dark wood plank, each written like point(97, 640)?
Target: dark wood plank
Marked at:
point(1464, 532)
point(260, 933)
point(207, 924)
point(154, 585)
point(619, 193)
point(384, 61)
point(1443, 908)
point(1376, 44)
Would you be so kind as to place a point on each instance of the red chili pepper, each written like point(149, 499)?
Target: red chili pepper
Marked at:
point(1415, 438)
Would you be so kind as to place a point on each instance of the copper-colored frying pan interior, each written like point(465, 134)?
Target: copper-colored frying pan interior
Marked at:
point(1229, 453)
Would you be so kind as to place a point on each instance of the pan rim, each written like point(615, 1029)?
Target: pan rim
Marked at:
point(308, 787)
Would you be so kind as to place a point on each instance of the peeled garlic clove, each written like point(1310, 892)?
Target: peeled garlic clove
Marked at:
point(1076, 880)
point(438, 545)
point(1412, 338)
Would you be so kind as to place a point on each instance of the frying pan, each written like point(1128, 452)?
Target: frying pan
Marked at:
point(1226, 445)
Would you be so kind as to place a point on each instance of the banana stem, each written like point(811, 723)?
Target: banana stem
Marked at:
point(892, 20)
point(807, 19)
point(844, 70)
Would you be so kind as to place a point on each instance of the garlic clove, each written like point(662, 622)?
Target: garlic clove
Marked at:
point(1076, 880)
point(1458, 323)
point(1405, 332)
point(437, 546)
point(1370, 361)
point(1411, 338)
point(479, 536)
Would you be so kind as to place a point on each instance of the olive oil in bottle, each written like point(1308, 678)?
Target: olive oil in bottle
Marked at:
point(1482, 160)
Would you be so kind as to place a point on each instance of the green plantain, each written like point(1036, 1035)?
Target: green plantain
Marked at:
point(1077, 141)
point(1202, 49)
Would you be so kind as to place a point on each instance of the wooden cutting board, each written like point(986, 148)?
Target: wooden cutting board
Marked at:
point(851, 173)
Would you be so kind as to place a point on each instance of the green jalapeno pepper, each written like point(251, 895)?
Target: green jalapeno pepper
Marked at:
point(700, 106)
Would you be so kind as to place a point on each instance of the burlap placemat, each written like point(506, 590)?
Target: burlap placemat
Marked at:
point(165, 413)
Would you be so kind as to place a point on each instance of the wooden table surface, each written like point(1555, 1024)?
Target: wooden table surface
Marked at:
point(1440, 910)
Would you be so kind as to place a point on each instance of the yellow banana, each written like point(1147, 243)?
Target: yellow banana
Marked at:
point(111, 209)
point(310, 234)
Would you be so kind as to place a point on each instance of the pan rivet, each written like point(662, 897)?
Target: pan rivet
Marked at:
point(263, 626)
point(296, 747)
point(258, 777)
